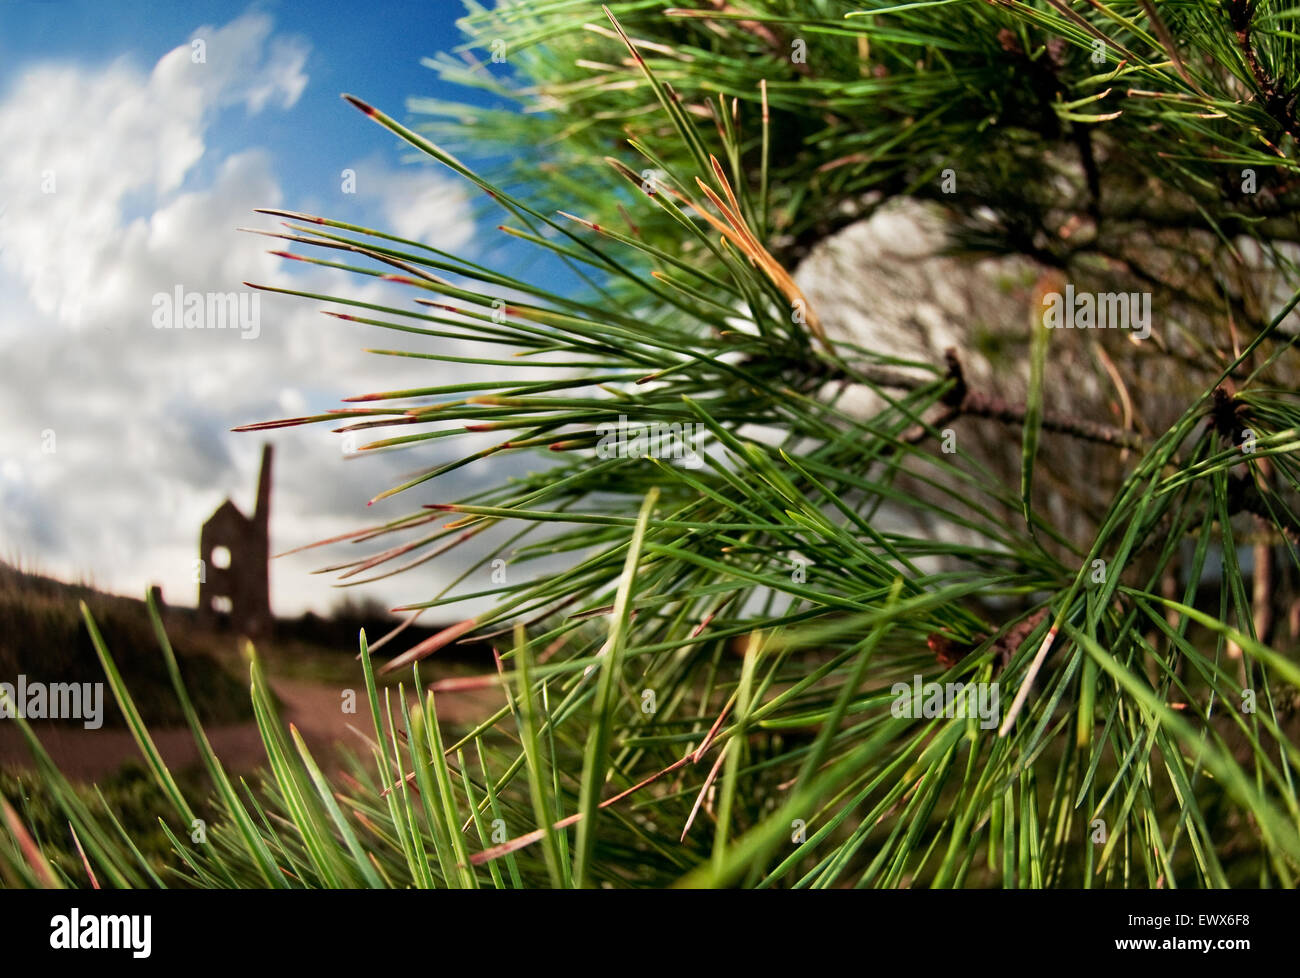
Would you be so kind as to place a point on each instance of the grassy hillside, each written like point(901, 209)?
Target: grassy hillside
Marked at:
point(42, 635)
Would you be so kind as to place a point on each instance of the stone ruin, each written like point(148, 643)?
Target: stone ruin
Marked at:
point(234, 578)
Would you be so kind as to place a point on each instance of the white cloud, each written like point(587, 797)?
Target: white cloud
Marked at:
point(82, 145)
point(423, 206)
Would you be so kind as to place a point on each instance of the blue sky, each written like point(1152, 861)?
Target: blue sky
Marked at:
point(128, 165)
point(372, 50)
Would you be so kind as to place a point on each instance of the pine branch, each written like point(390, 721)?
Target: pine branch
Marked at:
point(1277, 101)
point(961, 400)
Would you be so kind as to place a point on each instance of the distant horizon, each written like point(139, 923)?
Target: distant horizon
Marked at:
point(347, 602)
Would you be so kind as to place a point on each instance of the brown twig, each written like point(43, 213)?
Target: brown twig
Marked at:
point(961, 400)
point(988, 406)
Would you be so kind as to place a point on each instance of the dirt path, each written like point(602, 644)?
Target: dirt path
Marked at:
point(313, 708)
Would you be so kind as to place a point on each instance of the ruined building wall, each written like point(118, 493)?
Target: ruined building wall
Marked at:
point(243, 588)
